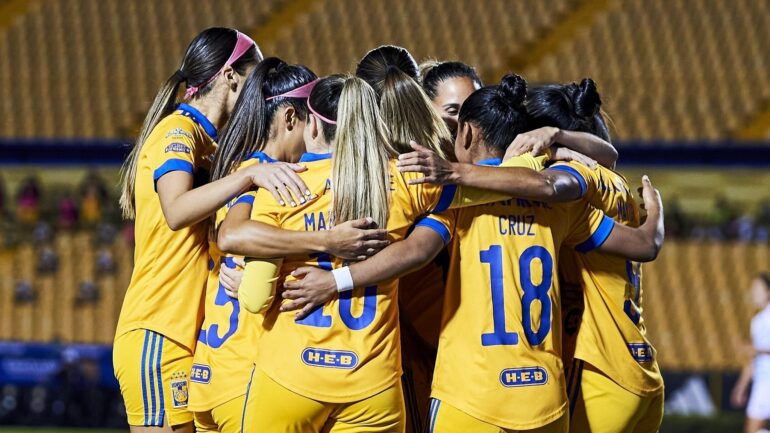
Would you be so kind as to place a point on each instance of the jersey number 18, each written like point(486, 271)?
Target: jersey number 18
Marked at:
point(500, 337)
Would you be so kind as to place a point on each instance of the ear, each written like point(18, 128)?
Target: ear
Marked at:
point(231, 77)
point(314, 126)
point(465, 133)
point(290, 117)
point(476, 137)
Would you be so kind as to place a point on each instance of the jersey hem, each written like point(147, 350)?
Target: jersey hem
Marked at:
point(125, 329)
point(333, 398)
point(542, 422)
point(622, 383)
point(207, 407)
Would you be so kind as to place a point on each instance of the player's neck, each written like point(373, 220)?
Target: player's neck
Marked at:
point(316, 146)
point(212, 109)
point(483, 154)
point(277, 150)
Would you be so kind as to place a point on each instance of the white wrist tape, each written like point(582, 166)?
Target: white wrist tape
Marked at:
point(343, 278)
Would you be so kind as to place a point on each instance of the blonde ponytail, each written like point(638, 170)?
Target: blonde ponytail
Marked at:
point(409, 115)
point(360, 172)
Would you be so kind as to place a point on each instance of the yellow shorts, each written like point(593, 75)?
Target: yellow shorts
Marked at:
point(152, 371)
point(445, 418)
point(272, 408)
point(599, 405)
point(225, 418)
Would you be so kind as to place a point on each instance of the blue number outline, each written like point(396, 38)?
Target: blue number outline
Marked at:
point(499, 336)
point(211, 336)
point(631, 308)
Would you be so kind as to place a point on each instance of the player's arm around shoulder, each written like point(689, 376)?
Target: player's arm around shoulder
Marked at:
point(642, 244)
point(314, 286)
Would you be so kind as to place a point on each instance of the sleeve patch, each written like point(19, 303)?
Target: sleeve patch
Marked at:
point(178, 147)
point(178, 133)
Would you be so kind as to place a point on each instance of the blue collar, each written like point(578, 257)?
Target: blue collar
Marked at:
point(262, 157)
point(490, 161)
point(310, 157)
point(199, 118)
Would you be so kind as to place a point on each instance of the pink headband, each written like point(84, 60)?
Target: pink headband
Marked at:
point(242, 44)
point(302, 91)
point(315, 113)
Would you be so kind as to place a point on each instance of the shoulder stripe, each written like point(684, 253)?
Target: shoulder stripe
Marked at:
point(598, 237)
point(438, 227)
point(445, 199)
point(576, 174)
point(169, 166)
point(246, 198)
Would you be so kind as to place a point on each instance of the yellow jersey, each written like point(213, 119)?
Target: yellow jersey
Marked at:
point(224, 355)
point(421, 308)
point(612, 335)
point(170, 267)
point(500, 343)
point(348, 349)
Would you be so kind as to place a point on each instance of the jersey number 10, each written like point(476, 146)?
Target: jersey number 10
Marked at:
point(317, 317)
point(500, 337)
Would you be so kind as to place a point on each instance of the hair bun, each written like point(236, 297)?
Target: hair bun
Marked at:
point(514, 88)
point(586, 99)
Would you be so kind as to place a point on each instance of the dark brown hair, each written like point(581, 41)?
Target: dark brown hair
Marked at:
point(205, 56)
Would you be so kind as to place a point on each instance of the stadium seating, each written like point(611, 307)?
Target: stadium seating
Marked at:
point(695, 298)
point(335, 34)
point(663, 71)
point(672, 69)
point(94, 66)
point(57, 312)
point(696, 303)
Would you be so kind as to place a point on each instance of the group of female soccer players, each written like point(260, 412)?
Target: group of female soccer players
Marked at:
point(520, 303)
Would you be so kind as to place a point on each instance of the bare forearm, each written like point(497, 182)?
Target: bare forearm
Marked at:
point(519, 182)
point(655, 232)
point(197, 204)
point(398, 259)
point(590, 145)
point(254, 239)
point(641, 244)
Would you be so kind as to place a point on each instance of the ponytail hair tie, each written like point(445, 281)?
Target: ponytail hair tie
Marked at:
point(180, 75)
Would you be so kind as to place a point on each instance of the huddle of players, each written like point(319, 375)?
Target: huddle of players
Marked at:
point(312, 175)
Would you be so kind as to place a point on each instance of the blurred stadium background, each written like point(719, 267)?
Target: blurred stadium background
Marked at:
point(685, 82)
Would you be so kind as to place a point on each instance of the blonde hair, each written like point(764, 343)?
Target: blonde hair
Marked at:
point(426, 66)
point(410, 115)
point(362, 150)
point(406, 109)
